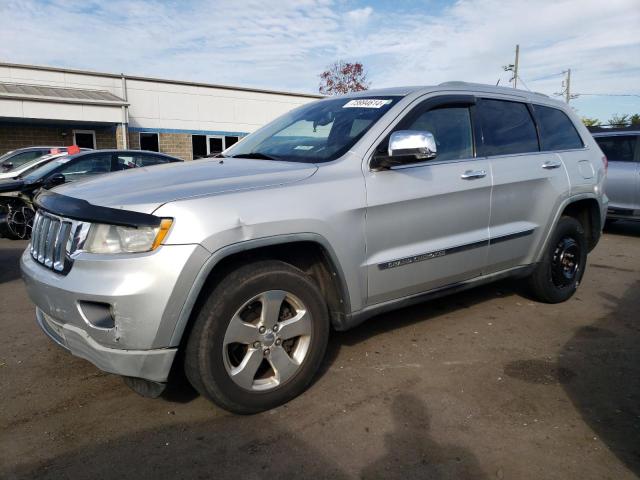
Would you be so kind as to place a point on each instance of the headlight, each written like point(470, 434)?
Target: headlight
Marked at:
point(104, 238)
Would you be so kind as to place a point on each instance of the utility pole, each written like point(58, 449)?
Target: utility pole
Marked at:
point(567, 91)
point(515, 67)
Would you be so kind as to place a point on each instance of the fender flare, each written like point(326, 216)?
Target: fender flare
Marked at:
point(216, 257)
point(568, 201)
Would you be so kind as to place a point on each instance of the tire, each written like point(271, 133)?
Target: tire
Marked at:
point(228, 342)
point(556, 278)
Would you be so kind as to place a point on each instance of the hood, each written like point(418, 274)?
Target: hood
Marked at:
point(10, 185)
point(145, 189)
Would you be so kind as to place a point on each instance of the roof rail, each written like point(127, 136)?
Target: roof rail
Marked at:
point(458, 83)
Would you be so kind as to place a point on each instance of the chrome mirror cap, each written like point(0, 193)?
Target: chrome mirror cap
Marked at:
point(416, 143)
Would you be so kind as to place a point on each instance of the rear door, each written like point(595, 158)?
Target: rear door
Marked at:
point(528, 184)
point(427, 222)
point(622, 185)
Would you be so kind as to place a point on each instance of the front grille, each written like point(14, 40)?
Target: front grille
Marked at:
point(51, 241)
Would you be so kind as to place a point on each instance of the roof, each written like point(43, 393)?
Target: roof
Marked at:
point(604, 131)
point(155, 79)
point(42, 93)
point(455, 86)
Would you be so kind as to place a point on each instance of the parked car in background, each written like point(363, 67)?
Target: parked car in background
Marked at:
point(16, 195)
point(337, 211)
point(16, 158)
point(622, 148)
point(38, 162)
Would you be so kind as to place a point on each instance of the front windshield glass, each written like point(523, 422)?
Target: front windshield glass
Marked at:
point(318, 132)
point(45, 169)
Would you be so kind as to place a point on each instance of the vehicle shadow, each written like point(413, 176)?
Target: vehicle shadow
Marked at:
point(424, 311)
point(258, 446)
point(605, 361)
point(10, 262)
point(630, 229)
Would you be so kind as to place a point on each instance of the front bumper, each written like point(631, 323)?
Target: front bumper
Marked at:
point(142, 293)
point(149, 364)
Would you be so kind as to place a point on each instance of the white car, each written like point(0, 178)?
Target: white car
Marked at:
point(31, 165)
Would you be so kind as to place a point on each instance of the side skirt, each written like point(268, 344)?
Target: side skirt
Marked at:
point(356, 318)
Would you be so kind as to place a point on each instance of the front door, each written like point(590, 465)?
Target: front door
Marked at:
point(427, 223)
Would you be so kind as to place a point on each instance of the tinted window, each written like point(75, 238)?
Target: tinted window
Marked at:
point(86, 166)
point(24, 157)
point(556, 130)
point(148, 160)
point(451, 127)
point(507, 127)
point(619, 148)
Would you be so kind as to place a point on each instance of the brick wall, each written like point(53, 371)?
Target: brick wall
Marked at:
point(14, 136)
point(176, 144)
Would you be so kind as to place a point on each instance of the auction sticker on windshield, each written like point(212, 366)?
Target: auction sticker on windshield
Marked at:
point(366, 103)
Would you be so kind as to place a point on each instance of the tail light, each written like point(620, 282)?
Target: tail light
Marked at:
point(605, 161)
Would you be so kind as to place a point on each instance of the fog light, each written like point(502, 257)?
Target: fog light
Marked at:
point(97, 314)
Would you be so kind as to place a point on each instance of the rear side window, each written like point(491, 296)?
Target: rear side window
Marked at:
point(507, 128)
point(149, 160)
point(451, 127)
point(556, 130)
point(619, 148)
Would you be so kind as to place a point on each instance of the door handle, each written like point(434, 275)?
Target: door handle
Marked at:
point(473, 174)
point(551, 165)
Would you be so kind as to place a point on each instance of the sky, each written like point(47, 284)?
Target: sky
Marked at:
point(286, 44)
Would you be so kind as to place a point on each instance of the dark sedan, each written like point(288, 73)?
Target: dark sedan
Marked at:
point(16, 210)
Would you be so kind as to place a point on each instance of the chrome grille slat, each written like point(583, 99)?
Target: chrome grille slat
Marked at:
point(43, 238)
point(51, 239)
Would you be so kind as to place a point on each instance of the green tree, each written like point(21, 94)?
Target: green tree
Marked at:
point(591, 122)
point(617, 120)
point(635, 119)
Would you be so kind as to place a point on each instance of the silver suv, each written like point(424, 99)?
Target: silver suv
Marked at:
point(622, 148)
point(236, 268)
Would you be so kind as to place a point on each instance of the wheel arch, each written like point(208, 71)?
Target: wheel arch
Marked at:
point(586, 209)
point(309, 252)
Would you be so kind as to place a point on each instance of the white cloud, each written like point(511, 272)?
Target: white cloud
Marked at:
point(286, 44)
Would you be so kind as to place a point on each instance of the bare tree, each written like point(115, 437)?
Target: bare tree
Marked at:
point(343, 77)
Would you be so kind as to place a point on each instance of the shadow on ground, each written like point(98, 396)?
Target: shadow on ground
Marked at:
point(605, 358)
point(599, 368)
point(258, 447)
point(630, 229)
point(10, 263)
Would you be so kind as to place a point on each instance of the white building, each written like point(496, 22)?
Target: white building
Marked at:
point(56, 106)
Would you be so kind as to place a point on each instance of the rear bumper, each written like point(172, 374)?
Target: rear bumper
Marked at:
point(149, 364)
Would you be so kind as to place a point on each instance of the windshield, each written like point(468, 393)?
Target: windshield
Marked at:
point(318, 132)
point(45, 169)
point(29, 167)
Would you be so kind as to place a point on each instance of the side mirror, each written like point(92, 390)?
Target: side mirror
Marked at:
point(406, 146)
point(54, 180)
point(6, 166)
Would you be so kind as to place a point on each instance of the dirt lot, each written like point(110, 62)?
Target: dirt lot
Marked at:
point(485, 384)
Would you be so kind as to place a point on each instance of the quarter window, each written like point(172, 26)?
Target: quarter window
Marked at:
point(507, 128)
point(556, 130)
point(618, 148)
point(451, 127)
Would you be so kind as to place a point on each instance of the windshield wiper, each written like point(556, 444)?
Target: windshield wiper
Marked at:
point(255, 155)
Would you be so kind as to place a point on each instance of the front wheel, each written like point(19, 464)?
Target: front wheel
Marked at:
point(556, 278)
point(259, 338)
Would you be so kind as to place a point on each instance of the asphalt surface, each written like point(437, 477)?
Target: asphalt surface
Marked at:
point(484, 384)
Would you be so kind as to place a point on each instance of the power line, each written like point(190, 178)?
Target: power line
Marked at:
point(609, 94)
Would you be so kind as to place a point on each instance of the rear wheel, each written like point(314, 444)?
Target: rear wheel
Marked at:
point(259, 338)
point(556, 278)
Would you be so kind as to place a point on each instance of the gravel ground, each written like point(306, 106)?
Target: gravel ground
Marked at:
point(483, 384)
